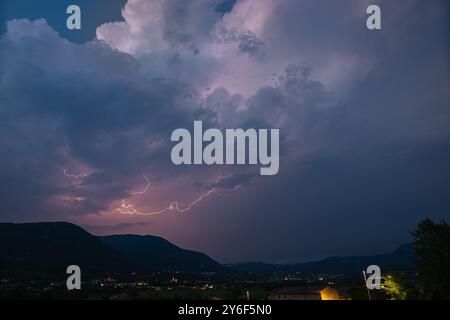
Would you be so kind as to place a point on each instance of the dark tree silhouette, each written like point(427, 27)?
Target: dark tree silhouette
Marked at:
point(431, 242)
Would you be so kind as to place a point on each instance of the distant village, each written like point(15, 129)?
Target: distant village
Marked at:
point(205, 286)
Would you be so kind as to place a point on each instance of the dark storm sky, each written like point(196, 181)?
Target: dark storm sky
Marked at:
point(364, 119)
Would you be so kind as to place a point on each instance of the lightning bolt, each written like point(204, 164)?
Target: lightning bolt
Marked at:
point(127, 208)
point(145, 188)
point(130, 209)
point(78, 176)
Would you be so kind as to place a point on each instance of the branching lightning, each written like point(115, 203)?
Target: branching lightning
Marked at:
point(127, 208)
point(145, 188)
point(130, 209)
point(77, 176)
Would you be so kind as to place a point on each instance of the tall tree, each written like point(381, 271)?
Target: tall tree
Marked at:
point(431, 242)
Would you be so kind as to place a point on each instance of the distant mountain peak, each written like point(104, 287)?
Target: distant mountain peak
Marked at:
point(47, 248)
point(151, 252)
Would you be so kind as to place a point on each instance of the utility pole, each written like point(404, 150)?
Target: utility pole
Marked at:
point(365, 284)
